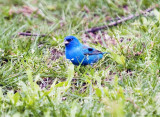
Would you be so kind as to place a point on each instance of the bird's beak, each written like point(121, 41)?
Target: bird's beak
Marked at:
point(66, 42)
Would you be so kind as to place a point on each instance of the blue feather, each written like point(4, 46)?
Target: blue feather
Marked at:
point(80, 54)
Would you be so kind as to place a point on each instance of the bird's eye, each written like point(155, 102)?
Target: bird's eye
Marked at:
point(69, 40)
point(90, 49)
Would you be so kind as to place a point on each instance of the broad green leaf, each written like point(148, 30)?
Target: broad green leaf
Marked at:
point(119, 59)
point(144, 20)
point(30, 77)
point(70, 72)
point(106, 91)
point(10, 95)
point(61, 84)
point(1, 94)
point(16, 97)
point(98, 92)
point(120, 92)
point(115, 81)
point(87, 80)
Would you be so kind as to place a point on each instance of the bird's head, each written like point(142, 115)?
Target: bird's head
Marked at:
point(71, 41)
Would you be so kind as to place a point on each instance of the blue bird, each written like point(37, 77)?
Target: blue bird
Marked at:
point(80, 54)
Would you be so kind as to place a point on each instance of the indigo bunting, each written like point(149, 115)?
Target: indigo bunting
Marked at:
point(80, 54)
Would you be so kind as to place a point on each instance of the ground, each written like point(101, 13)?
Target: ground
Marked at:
point(37, 80)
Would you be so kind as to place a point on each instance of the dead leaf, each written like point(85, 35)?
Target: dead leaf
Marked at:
point(56, 54)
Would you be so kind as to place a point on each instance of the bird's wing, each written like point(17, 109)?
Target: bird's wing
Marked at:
point(90, 51)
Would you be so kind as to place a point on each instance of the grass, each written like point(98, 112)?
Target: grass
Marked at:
point(37, 80)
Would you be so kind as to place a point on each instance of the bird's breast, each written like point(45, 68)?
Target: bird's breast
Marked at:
point(74, 53)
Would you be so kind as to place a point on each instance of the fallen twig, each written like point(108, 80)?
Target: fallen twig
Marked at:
point(30, 34)
point(95, 29)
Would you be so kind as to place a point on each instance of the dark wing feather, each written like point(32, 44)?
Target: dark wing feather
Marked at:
point(90, 51)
